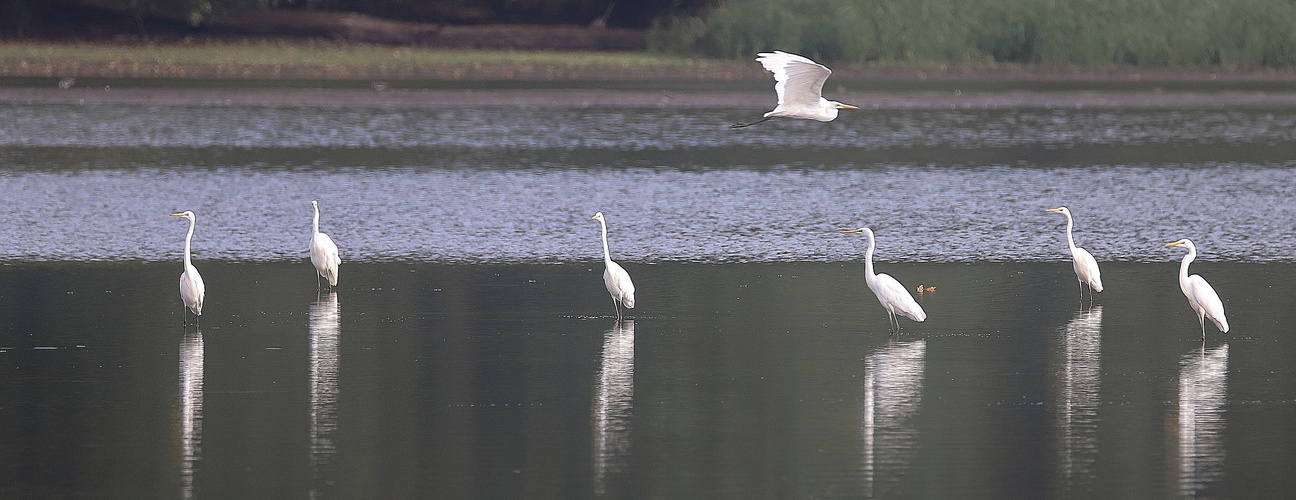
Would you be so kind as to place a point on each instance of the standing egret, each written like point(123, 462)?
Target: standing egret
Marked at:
point(799, 83)
point(324, 254)
point(895, 298)
point(615, 278)
point(1201, 297)
point(192, 290)
point(1086, 268)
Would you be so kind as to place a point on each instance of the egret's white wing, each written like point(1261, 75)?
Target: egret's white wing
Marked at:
point(895, 296)
point(618, 284)
point(192, 290)
point(798, 81)
point(1086, 268)
point(1204, 295)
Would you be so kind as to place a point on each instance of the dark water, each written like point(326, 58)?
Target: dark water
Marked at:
point(737, 380)
point(469, 350)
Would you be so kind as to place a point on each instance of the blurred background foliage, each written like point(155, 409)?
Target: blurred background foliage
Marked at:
point(1057, 32)
point(1229, 33)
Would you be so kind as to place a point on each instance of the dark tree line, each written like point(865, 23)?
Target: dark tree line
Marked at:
point(93, 18)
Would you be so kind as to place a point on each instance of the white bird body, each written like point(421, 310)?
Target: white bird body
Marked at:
point(1201, 296)
point(192, 290)
point(1086, 267)
point(615, 277)
point(799, 84)
point(893, 296)
point(324, 253)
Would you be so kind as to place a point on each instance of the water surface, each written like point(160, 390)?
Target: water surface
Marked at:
point(470, 349)
point(736, 381)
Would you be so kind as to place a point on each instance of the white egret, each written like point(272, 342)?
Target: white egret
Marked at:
point(324, 253)
point(1086, 268)
point(1201, 297)
point(799, 84)
point(895, 298)
point(192, 290)
point(615, 278)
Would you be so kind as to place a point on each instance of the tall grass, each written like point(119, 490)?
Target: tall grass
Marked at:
point(1244, 33)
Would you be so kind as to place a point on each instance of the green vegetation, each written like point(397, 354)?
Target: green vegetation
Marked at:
point(1230, 33)
point(269, 52)
point(277, 58)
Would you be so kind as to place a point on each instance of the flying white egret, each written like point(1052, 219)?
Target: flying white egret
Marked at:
point(192, 290)
point(1086, 268)
point(324, 253)
point(895, 298)
point(615, 278)
point(1201, 297)
point(799, 83)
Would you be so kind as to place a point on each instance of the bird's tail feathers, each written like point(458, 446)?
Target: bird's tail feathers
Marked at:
point(628, 301)
point(912, 311)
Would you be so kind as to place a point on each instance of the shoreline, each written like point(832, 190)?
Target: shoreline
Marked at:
point(665, 99)
point(280, 60)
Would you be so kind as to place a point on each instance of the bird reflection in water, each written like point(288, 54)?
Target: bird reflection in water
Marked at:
point(1202, 387)
point(893, 385)
point(191, 399)
point(1078, 401)
point(325, 330)
point(614, 403)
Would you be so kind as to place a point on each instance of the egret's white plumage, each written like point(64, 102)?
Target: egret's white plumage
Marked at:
point(799, 84)
point(324, 253)
point(192, 290)
point(895, 298)
point(1201, 297)
point(1086, 268)
point(615, 278)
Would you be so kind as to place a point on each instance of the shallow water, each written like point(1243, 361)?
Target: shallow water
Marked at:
point(470, 352)
point(735, 381)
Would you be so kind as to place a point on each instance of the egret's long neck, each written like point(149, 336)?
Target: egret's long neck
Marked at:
point(1183, 266)
point(868, 259)
point(607, 256)
point(1070, 241)
point(316, 219)
point(188, 238)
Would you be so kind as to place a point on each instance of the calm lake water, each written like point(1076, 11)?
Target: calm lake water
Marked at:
point(470, 349)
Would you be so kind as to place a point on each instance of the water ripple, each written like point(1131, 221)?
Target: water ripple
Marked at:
point(495, 184)
point(922, 213)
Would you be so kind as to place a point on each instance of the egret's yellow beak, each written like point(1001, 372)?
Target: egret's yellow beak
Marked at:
point(1175, 244)
point(848, 231)
point(181, 214)
point(594, 217)
point(847, 106)
point(1053, 210)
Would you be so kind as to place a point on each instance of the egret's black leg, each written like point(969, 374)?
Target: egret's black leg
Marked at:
point(741, 125)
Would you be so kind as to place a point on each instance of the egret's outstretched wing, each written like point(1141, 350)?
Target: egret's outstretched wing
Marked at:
point(1204, 295)
point(798, 81)
point(895, 296)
